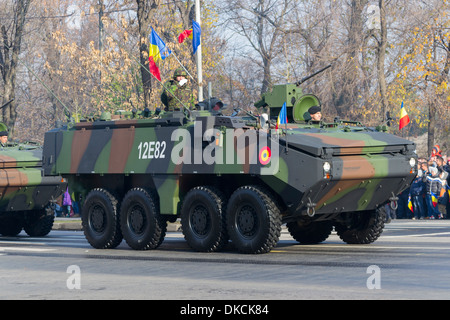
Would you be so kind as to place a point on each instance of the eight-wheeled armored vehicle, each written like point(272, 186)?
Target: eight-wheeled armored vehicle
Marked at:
point(230, 177)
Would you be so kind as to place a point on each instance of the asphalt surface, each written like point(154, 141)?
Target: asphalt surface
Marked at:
point(410, 261)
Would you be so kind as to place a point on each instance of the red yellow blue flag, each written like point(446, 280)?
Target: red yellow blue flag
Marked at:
point(194, 34)
point(282, 116)
point(410, 205)
point(404, 118)
point(434, 199)
point(157, 51)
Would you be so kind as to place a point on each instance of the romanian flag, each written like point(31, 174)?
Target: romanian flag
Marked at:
point(410, 205)
point(185, 34)
point(157, 51)
point(194, 34)
point(282, 116)
point(434, 199)
point(404, 118)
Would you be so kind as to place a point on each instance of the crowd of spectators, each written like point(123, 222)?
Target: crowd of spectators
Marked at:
point(428, 197)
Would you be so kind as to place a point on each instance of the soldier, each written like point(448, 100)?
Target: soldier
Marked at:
point(3, 138)
point(315, 113)
point(179, 88)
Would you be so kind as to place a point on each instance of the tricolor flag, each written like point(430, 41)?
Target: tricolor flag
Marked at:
point(410, 205)
point(194, 34)
point(282, 116)
point(404, 118)
point(448, 191)
point(434, 199)
point(157, 51)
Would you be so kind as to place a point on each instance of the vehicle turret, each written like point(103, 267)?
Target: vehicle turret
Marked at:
point(297, 102)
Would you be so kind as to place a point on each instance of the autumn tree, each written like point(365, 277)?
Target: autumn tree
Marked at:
point(261, 23)
point(11, 32)
point(423, 69)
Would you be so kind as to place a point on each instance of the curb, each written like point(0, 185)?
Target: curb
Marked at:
point(74, 224)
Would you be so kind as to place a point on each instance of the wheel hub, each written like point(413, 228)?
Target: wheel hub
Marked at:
point(200, 220)
point(247, 221)
point(136, 220)
point(97, 219)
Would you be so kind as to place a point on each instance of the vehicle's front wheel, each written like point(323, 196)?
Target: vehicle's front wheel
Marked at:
point(10, 226)
point(361, 227)
point(312, 232)
point(39, 223)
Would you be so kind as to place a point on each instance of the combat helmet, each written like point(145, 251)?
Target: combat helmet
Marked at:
point(3, 129)
point(180, 72)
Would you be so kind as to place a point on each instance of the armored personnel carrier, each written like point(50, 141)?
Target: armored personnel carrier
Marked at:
point(230, 177)
point(26, 197)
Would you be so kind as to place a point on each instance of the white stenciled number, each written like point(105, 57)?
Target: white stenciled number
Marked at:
point(152, 150)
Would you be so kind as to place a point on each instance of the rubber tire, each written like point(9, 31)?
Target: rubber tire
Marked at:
point(203, 219)
point(310, 232)
point(100, 219)
point(10, 226)
point(38, 223)
point(253, 220)
point(139, 208)
point(365, 227)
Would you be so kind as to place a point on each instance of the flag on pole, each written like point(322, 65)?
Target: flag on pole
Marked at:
point(282, 116)
point(404, 118)
point(185, 34)
point(157, 51)
point(410, 205)
point(194, 34)
point(434, 199)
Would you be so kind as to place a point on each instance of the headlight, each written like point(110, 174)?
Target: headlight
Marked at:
point(412, 162)
point(326, 170)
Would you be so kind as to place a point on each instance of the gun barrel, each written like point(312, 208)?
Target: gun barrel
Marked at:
point(312, 75)
point(6, 104)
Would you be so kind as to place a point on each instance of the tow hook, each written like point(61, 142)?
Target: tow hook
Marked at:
point(310, 206)
point(394, 203)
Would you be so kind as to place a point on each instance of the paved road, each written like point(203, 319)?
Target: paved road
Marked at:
point(410, 261)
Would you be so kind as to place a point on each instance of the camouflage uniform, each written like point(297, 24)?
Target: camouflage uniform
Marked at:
point(183, 93)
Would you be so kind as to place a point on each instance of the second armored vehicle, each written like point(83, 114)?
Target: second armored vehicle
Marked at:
point(26, 197)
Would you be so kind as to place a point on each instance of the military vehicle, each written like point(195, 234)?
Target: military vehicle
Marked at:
point(27, 198)
point(230, 177)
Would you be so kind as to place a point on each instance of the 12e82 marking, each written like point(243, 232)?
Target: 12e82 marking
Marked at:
point(152, 150)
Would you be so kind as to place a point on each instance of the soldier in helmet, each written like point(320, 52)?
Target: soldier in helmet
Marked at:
point(3, 138)
point(179, 88)
point(315, 113)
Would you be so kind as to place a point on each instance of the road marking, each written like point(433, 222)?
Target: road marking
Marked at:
point(418, 235)
point(3, 249)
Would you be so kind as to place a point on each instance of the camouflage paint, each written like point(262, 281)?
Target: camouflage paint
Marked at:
point(22, 186)
point(367, 167)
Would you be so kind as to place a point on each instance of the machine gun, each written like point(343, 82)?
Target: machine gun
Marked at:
point(6, 104)
point(312, 75)
point(297, 102)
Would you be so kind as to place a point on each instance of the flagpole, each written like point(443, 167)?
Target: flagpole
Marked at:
point(199, 55)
